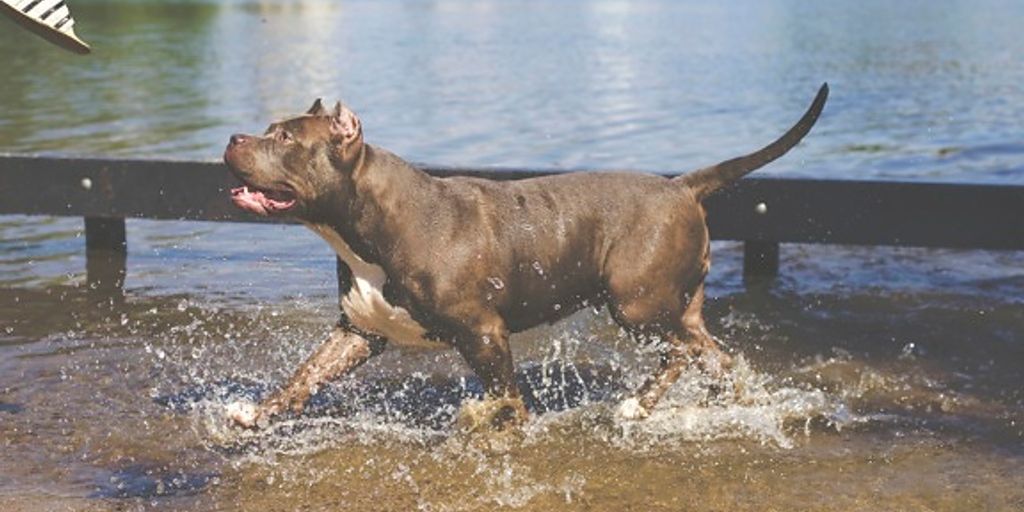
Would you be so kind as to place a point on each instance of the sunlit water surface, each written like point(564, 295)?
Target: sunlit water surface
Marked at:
point(873, 379)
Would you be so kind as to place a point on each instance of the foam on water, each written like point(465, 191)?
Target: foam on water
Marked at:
point(392, 423)
point(697, 409)
point(395, 419)
point(759, 411)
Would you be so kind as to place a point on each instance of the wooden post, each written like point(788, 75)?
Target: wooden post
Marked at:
point(760, 259)
point(106, 253)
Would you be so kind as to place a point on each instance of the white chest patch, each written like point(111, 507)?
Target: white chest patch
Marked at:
point(365, 304)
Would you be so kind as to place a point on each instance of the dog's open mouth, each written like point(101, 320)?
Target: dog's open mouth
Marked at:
point(262, 201)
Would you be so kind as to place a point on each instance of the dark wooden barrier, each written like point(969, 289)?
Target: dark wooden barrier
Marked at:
point(761, 212)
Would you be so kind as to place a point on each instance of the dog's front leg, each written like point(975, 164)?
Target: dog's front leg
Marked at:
point(343, 352)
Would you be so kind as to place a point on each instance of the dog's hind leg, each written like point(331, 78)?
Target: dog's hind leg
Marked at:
point(342, 352)
point(689, 344)
point(486, 350)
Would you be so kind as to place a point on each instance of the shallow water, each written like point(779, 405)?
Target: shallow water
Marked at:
point(849, 401)
point(874, 378)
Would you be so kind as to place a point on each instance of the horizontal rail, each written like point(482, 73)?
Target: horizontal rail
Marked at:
point(761, 212)
point(947, 215)
point(755, 209)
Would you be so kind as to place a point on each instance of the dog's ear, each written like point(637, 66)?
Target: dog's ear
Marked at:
point(344, 123)
point(317, 109)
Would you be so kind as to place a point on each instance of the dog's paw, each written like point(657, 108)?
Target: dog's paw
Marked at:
point(494, 414)
point(630, 409)
point(243, 414)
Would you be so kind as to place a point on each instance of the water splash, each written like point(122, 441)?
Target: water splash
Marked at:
point(406, 422)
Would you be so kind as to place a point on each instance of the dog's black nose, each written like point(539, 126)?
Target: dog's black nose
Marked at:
point(238, 139)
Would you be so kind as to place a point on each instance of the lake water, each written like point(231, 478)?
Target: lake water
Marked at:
point(876, 379)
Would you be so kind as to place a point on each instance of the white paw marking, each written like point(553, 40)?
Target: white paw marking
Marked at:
point(631, 409)
point(242, 413)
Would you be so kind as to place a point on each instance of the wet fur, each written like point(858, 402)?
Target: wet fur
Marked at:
point(471, 260)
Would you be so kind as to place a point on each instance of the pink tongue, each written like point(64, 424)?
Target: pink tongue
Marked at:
point(256, 202)
point(249, 200)
point(278, 204)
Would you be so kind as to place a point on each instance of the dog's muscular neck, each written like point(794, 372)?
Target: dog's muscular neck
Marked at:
point(378, 183)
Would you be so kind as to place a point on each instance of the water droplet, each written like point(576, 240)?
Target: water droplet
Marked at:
point(558, 307)
point(537, 268)
point(496, 282)
point(908, 351)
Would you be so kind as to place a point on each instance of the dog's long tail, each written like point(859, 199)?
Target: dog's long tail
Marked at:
point(708, 180)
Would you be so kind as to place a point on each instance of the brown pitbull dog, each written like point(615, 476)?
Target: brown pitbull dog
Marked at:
point(464, 262)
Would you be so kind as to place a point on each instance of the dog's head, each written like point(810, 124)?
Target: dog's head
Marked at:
point(298, 167)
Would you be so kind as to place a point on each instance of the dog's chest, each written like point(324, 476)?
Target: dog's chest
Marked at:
point(365, 304)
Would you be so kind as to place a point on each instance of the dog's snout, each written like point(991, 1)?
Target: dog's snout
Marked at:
point(238, 139)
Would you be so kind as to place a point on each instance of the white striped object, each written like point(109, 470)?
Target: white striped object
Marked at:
point(50, 19)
